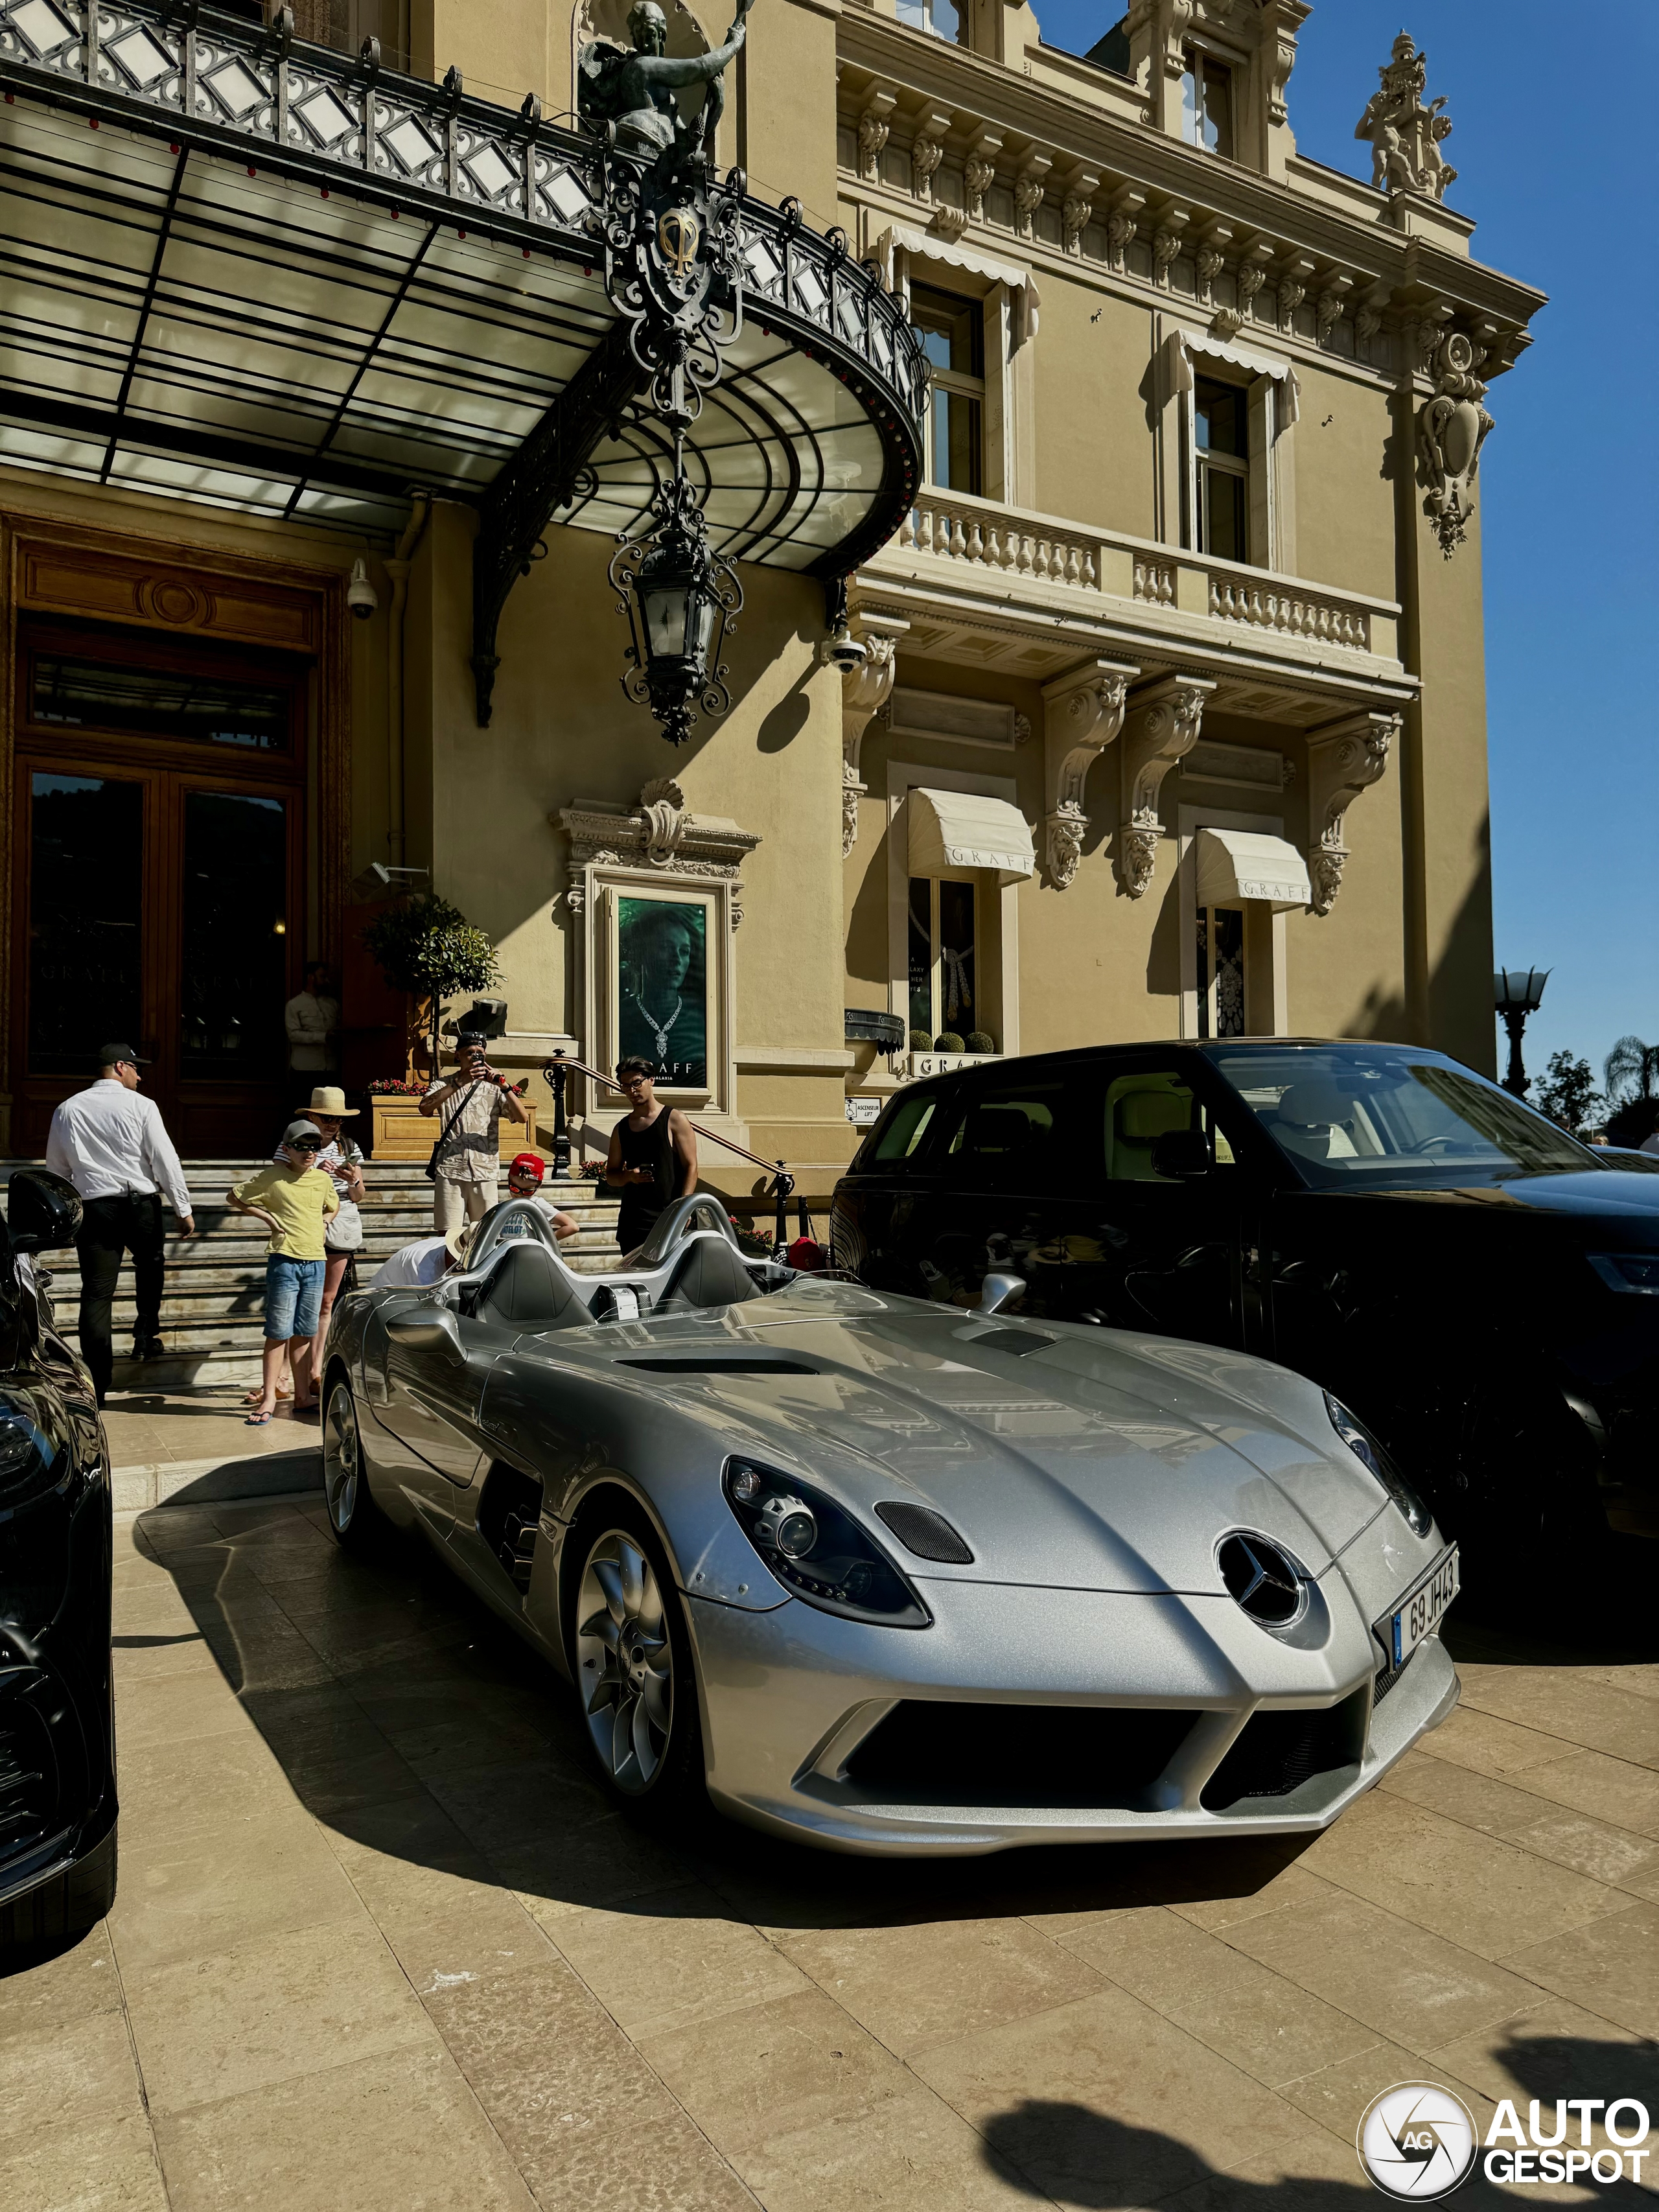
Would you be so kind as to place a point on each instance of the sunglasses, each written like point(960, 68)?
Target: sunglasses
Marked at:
point(306, 1144)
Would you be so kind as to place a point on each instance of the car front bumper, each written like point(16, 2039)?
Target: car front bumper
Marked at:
point(789, 1695)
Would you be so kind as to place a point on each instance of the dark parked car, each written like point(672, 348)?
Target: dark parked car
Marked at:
point(1482, 1289)
point(58, 1807)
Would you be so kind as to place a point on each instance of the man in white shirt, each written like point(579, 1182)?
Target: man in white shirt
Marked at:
point(311, 1017)
point(418, 1265)
point(112, 1145)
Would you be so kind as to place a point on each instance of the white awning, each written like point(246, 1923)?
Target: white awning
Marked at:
point(1242, 864)
point(951, 829)
point(923, 246)
point(1183, 343)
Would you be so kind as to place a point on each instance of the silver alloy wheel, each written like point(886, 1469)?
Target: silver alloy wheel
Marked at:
point(342, 1457)
point(625, 1663)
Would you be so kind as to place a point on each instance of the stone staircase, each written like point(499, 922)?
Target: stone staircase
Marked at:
point(211, 1301)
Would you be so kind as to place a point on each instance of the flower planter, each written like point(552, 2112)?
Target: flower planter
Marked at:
point(401, 1132)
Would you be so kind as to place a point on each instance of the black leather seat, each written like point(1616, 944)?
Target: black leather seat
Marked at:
point(526, 1291)
point(711, 1273)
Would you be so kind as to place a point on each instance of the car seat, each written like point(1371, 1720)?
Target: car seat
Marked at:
point(711, 1273)
point(527, 1291)
point(1139, 1118)
point(1310, 1120)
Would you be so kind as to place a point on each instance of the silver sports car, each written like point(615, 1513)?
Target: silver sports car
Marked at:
point(889, 1576)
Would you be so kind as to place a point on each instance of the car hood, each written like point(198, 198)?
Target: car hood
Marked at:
point(1630, 1201)
point(1065, 1455)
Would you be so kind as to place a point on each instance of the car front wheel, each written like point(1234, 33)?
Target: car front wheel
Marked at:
point(631, 1660)
point(353, 1517)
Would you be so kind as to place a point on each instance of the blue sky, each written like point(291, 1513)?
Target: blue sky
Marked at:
point(1559, 177)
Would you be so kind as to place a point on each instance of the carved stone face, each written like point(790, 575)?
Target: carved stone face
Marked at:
point(648, 29)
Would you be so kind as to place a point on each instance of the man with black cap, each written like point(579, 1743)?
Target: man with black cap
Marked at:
point(466, 1162)
point(111, 1144)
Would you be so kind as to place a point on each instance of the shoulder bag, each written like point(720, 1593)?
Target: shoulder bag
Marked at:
point(443, 1134)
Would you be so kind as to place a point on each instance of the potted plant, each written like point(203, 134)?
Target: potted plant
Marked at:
point(427, 947)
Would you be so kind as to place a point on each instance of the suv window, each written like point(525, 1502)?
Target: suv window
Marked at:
point(1014, 1136)
point(1141, 1108)
point(903, 1130)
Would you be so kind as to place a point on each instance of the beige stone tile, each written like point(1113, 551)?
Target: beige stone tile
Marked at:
point(171, 1709)
point(672, 1959)
point(202, 1782)
point(1641, 1679)
point(1271, 2028)
point(1567, 1704)
point(259, 2012)
point(1611, 1967)
point(813, 2112)
point(168, 1528)
point(223, 1885)
point(1290, 1885)
point(585, 2117)
point(1404, 1983)
point(1336, 2095)
point(933, 1981)
point(153, 1606)
point(79, 1980)
point(1470, 1888)
point(267, 1655)
point(147, 1654)
point(109, 2168)
point(404, 1829)
point(1489, 1745)
point(1106, 2102)
point(446, 1927)
point(1607, 1788)
point(401, 2132)
point(1555, 2049)
point(137, 1571)
point(73, 2074)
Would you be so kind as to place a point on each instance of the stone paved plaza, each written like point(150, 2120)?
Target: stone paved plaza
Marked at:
point(380, 1942)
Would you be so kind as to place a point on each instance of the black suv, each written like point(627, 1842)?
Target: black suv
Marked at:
point(57, 1808)
point(1480, 1287)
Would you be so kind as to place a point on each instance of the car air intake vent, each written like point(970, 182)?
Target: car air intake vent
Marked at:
point(717, 1363)
point(935, 1752)
point(1266, 1581)
point(28, 1778)
point(924, 1532)
point(1276, 1751)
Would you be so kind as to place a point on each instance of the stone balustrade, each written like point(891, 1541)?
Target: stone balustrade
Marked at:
point(974, 534)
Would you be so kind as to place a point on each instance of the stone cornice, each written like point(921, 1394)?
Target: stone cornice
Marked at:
point(1030, 114)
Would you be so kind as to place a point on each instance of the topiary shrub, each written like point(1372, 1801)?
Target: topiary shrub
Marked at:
point(920, 1042)
point(427, 947)
point(949, 1042)
point(980, 1041)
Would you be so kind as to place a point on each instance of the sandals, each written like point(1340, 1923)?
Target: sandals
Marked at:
point(260, 1421)
point(256, 1396)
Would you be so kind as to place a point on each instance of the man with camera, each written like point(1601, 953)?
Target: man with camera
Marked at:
point(466, 1167)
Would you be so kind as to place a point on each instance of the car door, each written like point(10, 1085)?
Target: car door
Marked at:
point(437, 1358)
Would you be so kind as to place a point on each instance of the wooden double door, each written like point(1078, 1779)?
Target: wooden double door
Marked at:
point(160, 802)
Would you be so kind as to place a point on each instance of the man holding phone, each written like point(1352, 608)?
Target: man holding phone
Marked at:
point(466, 1160)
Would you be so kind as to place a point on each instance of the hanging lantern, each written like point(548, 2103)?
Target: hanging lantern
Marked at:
point(681, 600)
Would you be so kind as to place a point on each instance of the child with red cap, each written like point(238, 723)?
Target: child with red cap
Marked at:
point(524, 1180)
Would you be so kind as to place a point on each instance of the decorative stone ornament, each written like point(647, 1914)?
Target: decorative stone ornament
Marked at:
point(864, 691)
point(1405, 135)
point(658, 833)
point(1165, 724)
point(1084, 712)
point(1343, 760)
point(874, 130)
point(1451, 429)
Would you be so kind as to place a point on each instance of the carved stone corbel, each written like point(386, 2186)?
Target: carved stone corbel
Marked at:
point(1082, 712)
point(1332, 304)
point(979, 171)
point(1030, 190)
point(1078, 208)
point(1451, 429)
point(1123, 208)
point(875, 127)
point(1294, 271)
point(1344, 759)
point(864, 692)
point(1278, 23)
point(928, 151)
point(1164, 724)
point(1211, 259)
point(1166, 240)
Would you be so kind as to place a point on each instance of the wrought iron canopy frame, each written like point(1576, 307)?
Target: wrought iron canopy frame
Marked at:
point(271, 342)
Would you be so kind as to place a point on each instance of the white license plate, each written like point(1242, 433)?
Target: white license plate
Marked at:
point(1424, 1609)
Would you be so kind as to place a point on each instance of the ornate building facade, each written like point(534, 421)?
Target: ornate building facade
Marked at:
point(1118, 677)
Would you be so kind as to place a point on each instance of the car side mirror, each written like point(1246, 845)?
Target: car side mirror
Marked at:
point(429, 1328)
point(1180, 1154)
point(43, 1211)
point(999, 1290)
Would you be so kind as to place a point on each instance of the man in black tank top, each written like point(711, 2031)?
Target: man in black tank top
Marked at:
point(654, 1155)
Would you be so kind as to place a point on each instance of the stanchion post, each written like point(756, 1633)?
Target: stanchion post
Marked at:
point(557, 1077)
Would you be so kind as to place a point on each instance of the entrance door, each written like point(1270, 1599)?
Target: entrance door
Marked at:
point(161, 889)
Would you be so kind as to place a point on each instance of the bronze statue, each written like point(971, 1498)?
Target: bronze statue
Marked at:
point(636, 92)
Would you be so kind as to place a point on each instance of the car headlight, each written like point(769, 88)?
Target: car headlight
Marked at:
point(31, 1462)
point(817, 1552)
point(1628, 1271)
point(1365, 1448)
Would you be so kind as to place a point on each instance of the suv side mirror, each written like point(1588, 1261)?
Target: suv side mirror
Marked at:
point(43, 1211)
point(1180, 1154)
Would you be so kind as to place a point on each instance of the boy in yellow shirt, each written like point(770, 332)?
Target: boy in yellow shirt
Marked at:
point(295, 1198)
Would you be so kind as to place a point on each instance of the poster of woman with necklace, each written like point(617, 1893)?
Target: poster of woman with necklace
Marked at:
point(663, 989)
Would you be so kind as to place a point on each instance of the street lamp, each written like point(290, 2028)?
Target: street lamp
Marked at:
point(1516, 992)
point(681, 600)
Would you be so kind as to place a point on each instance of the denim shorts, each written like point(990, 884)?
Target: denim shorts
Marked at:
point(294, 1295)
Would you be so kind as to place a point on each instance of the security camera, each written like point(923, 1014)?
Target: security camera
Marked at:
point(845, 652)
point(361, 595)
